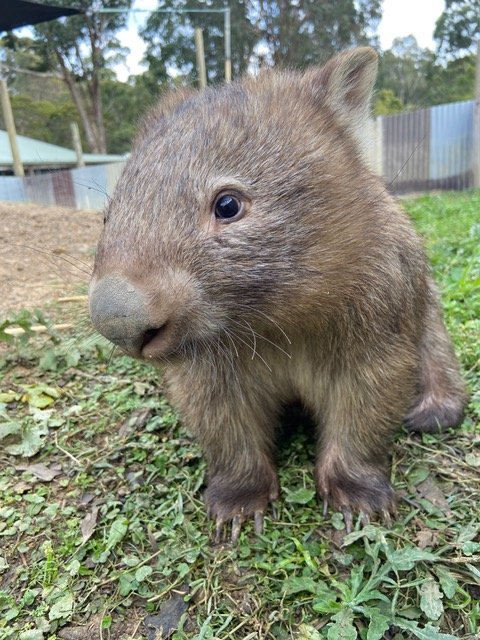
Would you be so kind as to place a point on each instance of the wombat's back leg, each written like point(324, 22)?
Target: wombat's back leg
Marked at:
point(441, 398)
point(358, 418)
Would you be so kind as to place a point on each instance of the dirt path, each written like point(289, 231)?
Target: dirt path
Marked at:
point(45, 253)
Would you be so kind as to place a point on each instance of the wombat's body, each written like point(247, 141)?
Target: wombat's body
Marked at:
point(250, 249)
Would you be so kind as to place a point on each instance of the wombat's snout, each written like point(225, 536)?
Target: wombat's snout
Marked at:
point(119, 312)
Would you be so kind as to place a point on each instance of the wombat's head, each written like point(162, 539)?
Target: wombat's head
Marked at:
point(235, 208)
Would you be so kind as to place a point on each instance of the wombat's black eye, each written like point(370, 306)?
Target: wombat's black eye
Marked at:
point(228, 207)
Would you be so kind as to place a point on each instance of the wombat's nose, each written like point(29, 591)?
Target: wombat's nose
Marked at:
point(119, 312)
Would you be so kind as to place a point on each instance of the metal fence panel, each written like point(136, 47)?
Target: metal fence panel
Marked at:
point(406, 150)
point(451, 146)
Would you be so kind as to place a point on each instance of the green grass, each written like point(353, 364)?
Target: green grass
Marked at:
point(108, 537)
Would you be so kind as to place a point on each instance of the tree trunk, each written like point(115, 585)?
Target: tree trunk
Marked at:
point(95, 87)
point(92, 139)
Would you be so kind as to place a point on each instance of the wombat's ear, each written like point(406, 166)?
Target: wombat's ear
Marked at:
point(345, 83)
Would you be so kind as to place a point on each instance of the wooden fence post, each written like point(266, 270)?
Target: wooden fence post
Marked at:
point(77, 144)
point(10, 127)
point(202, 73)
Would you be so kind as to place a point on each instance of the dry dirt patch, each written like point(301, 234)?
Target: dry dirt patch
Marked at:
point(45, 253)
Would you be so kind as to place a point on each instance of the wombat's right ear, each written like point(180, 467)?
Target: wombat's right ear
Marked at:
point(345, 83)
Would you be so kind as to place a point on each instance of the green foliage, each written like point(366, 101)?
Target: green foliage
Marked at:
point(49, 120)
point(23, 53)
point(124, 105)
point(386, 102)
point(44, 120)
point(417, 78)
point(458, 28)
point(451, 82)
point(280, 33)
point(170, 40)
point(105, 525)
point(83, 48)
point(67, 36)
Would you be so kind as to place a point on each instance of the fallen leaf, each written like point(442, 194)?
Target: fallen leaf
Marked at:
point(135, 422)
point(430, 490)
point(431, 599)
point(426, 538)
point(9, 396)
point(473, 459)
point(165, 622)
point(90, 631)
point(307, 632)
point(62, 607)
point(40, 396)
point(88, 524)
point(40, 471)
point(21, 487)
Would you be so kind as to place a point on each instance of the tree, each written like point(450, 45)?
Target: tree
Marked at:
point(284, 33)
point(311, 31)
point(84, 46)
point(124, 106)
point(403, 70)
point(386, 102)
point(458, 28)
point(451, 82)
point(170, 39)
point(45, 120)
point(418, 78)
point(18, 52)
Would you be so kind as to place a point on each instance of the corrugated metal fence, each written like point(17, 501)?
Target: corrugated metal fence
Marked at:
point(427, 149)
point(85, 188)
point(414, 151)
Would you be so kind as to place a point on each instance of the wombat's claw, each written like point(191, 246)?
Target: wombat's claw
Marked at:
point(325, 505)
point(364, 518)
point(237, 522)
point(386, 518)
point(258, 520)
point(348, 519)
point(219, 530)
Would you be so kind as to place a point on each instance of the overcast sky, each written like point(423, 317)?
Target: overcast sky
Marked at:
point(400, 18)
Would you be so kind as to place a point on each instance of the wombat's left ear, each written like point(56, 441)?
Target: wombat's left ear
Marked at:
point(345, 83)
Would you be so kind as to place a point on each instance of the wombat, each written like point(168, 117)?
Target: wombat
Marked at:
point(249, 249)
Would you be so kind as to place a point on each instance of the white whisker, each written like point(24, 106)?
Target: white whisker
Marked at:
point(250, 347)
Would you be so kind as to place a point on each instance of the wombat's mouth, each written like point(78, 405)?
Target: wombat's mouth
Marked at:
point(155, 343)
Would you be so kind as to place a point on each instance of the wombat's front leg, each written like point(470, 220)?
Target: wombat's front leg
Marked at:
point(363, 410)
point(239, 488)
point(235, 428)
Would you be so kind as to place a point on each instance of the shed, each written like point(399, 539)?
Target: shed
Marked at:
point(38, 156)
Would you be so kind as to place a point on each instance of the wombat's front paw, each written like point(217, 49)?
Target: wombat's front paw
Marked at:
point(230, 502)
point(365, 491)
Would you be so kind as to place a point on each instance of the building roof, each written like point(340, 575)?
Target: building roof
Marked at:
point(37, 154)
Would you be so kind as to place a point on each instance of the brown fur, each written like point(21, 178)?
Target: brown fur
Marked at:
point(319, 293)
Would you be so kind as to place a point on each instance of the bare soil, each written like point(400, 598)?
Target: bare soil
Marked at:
point(45, 253)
